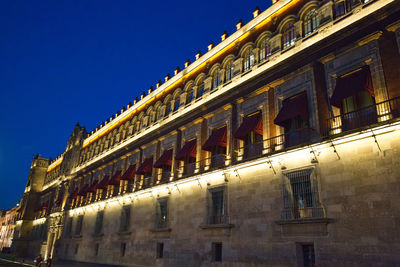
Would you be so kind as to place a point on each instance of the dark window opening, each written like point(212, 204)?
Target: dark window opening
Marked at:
point(96, 249)
point(217, 211)
point(123, 249)
point(306, 255)
point(162, 213)
point(160, 250)
point(217, 252)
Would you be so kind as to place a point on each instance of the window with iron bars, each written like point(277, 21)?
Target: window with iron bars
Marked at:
point(301, 196)
point(99, 222)
point(162, 213)
point(125, 218)
point(217, 206)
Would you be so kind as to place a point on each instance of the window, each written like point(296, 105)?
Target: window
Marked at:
point(68, 228)
point(216, 252)
point(215, 80)
point(265, 50)
point(96, 249)
point(229, 71)
point(311, 22)
point(162, 213)
point(123, 249)
point(66, 249)
point(76, 248)
point(300, 195)
point(78, 227)
point(168, 108)
point(125, 219)
point(201, 89)
point(289, 35)
point(340, 9)
point(190, 96)
point(217, 206)
point(305, 255)
point(177, 103)
point(160, 250)
point(99, 222)
point(249, 60)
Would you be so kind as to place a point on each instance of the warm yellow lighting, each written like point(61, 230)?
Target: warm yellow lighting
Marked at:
point(39, 221)
point(54, 164)
point(115, 123)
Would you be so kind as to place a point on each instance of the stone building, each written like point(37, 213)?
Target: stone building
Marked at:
point(7, 221)
point(277, 147)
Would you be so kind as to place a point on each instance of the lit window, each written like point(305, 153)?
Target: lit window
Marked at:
point(249, 60)
point(265, 50)
point(289, 35)
point(300, 195)
point(311, 22)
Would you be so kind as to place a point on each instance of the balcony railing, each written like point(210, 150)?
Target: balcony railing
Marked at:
point(164, 176)
point(378, 113)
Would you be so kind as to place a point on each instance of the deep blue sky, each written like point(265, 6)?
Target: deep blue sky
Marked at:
point(69, 61)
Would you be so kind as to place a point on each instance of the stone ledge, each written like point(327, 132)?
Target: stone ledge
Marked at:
point(123, 232)
point(304, 221)
point(217, 226)
point(310, 227)
point(160, 230)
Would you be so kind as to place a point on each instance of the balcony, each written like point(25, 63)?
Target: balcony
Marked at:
point(361, 118)
point(164, 176)
point(215, 162)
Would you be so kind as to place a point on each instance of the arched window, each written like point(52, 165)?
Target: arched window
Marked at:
point(215, 80)
point(311, 22)
point(168, 108)
point(177, 103)
point(190, 96)
point(200, 89)
point(249, 60)
point(159, 114)
point(289, 35)
point(229, 71)
point(265, 49)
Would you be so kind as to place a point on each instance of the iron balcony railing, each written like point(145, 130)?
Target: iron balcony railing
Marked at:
point(364, 117)
point(164, 176)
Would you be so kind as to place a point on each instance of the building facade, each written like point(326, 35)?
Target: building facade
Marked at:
point(7, 221)
point(277, 147)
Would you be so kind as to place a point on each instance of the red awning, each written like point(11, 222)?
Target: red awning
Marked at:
point(146, 166)
point(83, 191)
point(104, 182)
point(93, 187)
point(115, 179)
point(352, 83)
point(74, 194)
point(250, 123)
point(292, 107)
point(130, 173)
point(188, 150)
point(217, 138)
point(165, 159)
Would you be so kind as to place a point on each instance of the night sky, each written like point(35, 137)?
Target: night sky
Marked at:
point(69, 61)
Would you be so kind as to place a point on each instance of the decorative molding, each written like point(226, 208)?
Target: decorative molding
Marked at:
point(371, 37)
